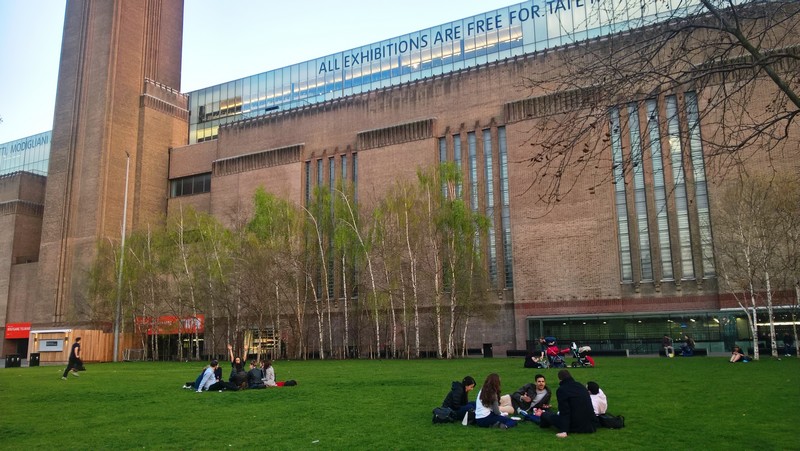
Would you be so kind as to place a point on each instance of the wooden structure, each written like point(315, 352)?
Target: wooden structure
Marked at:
point(96, 345)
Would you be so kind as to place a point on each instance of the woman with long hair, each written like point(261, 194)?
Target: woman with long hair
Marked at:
point(487, 408)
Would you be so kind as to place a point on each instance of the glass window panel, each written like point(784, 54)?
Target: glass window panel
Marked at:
point(489, 176)
point(701, 193)
point(626, 268)
point(659, 190)
point(639, 196)
point(679, 188)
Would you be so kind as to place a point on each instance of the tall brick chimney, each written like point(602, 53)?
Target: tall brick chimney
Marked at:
point(118, 93)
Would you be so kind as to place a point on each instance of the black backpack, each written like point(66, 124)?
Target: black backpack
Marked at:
point(443, 415)
point(611, 421)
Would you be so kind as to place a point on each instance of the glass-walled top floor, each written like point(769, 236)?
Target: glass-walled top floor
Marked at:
point(31, 154)
point(514, 30)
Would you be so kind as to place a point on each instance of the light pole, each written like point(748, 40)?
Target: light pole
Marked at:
point(118, 315)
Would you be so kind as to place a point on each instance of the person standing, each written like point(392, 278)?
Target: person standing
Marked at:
point(575, 410)
point(75, 361)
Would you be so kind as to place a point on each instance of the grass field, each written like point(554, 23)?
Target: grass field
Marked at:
point(669, 404)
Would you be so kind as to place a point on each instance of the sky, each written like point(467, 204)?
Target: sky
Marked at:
point(223, 40)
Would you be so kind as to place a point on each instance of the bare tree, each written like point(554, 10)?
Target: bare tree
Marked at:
point(754, 217)
point(741, 58)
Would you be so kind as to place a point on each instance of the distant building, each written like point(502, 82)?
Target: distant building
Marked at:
point(615, 265)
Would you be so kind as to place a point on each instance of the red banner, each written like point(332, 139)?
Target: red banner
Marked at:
point(170, 325)
point(18, 330)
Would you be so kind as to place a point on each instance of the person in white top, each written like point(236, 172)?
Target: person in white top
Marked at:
point(599, 400)
point(269, 373)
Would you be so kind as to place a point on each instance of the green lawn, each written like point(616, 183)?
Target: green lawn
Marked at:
point(670, 404)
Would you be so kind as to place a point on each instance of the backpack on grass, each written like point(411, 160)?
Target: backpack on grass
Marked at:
point(443, 415)
point(610, 421)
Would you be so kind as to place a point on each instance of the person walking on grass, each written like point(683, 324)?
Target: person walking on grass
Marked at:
point(74, 359)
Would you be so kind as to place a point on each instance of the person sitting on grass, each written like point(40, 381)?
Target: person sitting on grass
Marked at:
point(254, 376)
point(238, 378)
point(208, 378)
point(529, 397)
point(457, 399)
point(217, 376)
point(487, 411)
point(666, 344)
point(737, 355)
point(599, 400)
point(575, 411)
point(268, 373)
point(687, 348)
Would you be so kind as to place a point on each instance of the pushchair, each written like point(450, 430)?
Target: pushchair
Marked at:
point(581, 355)
point(554, 354)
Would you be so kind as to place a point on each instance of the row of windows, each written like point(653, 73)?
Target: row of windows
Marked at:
point(31, 154)
point(504, 33)
point(193, 184)
point(714, 331)
point(643, 152)
point(485, 188)
point(345, 161)
point(345, 169)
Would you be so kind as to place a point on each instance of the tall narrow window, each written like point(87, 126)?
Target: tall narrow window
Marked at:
point(473, 177)
point(308, 183)
point(457, 161)
point(489, 167)
point(443, 159)
point(700, 187)
point(679, 188)
point(505, 221)
point(659, 190)
point(626, 268)
point(331, 187)
point(639, 196)
point(344, 170)
point(355, 178)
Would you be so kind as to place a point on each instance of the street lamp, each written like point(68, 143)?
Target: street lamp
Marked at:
point(118, 315)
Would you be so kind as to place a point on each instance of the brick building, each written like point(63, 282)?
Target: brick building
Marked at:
point(622, 259)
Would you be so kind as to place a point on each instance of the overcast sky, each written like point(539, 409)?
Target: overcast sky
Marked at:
point(223, 40)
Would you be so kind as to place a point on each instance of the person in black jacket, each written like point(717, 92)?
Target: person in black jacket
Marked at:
point(457, 400)
point(575, 411)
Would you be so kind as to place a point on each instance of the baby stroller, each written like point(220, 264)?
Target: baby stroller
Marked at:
point(554, 354)
point(581, 355)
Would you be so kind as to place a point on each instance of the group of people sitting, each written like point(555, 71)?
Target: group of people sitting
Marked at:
point(687, 348)
point(578, 405)
point(260, 375)
point(550, 355)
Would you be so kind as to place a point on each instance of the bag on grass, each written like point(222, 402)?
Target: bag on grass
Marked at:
point(611, 421)
point(290, 383)
point(442, 415)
